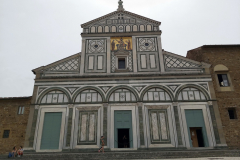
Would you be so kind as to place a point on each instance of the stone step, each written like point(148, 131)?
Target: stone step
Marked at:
point(129, 155)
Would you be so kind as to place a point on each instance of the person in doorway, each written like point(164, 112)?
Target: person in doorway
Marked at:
point(102, 145)
point(125, 141)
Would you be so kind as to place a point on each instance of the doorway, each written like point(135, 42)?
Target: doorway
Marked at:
point(123, 138)
point(197, 136)
point(123, 126)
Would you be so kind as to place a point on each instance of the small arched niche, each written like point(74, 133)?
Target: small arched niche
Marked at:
point(191, 94)
point(220, 67)
point(88, 96)
point(122, 95)
point(54, 97)
point(156, 94)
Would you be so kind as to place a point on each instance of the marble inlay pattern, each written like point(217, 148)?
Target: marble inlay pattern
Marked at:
point(91, 127)
point(83, 128)
point(163, 126)
point(154, 127)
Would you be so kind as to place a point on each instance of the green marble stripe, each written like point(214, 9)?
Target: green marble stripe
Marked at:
point(31, 138)
point(141, 126)
point(179, 137)
point(214, 123)
point(69, 127)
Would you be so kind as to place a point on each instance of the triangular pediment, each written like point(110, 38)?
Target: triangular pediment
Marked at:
point(122, 16)
point(173, 61)
point(120, 21)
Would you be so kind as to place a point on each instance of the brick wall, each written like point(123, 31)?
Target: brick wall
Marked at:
point(228, 55)
point(11, 120)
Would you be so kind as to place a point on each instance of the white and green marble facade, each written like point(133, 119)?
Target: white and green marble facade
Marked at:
point(157, 87)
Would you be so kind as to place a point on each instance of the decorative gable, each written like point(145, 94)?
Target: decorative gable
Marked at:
point(120, 21)
point(173, 62)
point(69, 65)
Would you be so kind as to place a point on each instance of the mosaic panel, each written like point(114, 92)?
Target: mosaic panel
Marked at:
point(174, 62)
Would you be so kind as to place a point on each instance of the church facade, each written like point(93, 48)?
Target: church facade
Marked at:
point(123, 84)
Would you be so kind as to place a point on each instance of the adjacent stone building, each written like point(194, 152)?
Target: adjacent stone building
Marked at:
point(14, 113)
point(123, 83)
point(225, 74)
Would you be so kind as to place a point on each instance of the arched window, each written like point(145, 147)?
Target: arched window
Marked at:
point(106, 29)
point(156, 94)
point(100, 29)
point(92, 29)
point(191, 94)
point(122, 95)
point(128, 28)
point(54, 97)
point(113, 28)
point(142, 28)
point(88, 96)
point(149, 27)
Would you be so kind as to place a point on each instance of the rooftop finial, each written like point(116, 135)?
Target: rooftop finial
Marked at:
point(120, 6)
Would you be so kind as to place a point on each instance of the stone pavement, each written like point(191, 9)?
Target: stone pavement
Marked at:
point(207, 158)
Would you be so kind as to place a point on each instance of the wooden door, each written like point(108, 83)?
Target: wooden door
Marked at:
point(194, 138)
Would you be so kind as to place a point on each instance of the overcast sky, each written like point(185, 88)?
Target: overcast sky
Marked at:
point(35, 33)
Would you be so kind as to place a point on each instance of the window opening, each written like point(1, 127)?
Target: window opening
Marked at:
point(121, 63)
point(223, 80)
point(6, 133)
point(232, 113)
point(20, 110)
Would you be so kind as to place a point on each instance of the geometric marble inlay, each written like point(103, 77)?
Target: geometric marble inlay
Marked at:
point(106, 88)
point(71, 89)
point(205, 86)
point(139, 88)
point(173, 87)
point(41, 89)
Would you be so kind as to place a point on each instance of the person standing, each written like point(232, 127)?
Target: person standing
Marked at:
point(102, 145)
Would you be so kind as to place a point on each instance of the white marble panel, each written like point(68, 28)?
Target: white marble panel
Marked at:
point(202, 96)
point(180, 96)
point(162, 96)
point(111, 98)
point(84, 128)
point(191, 96)
point(150, 96)
point(55, 97)
point(197, 95)
point(133, 97)
point(92, 29)
point(122, 96)
point(106, 29)
point(143, 61)
point(152, 61)
point(116, 96)
point(100, 29)
point(156, 96)
point(128, 29)
point(149, 28)
point(92, 127)
point(185, 95)
point(78, 98)
point(167, 96)
point(89, 97)
point(83, 97)
point(145, 97)
point(128, 96)
point(141, 27)
point(65, 98)
point(44, 99)
point(94, 97)
point(99, 98)
point(100, 60)
point(49, 98)
point(90, 62)
point(60, 98)
point(113, 29)
point(135, 28)
point(163, 126)
point(155, 133)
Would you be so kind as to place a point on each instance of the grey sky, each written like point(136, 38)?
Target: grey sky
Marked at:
point(34, 33)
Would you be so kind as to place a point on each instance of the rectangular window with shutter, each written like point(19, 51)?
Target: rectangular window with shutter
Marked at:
point(223, 80)
point(21, 110)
